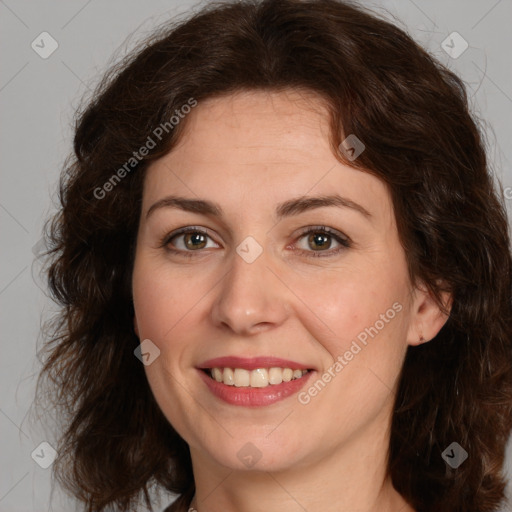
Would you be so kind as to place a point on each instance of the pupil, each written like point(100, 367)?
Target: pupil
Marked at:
point(195, 240)
point(319, 240)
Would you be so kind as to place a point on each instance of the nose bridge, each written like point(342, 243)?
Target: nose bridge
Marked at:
point(249, 296)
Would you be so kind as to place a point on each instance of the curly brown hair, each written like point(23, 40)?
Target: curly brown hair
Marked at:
point(412, 114)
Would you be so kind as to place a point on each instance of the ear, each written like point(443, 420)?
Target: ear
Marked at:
point(427, 318)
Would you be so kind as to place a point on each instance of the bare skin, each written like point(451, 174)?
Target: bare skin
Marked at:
point(249, 153)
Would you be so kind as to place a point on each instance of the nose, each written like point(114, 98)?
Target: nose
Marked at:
point(250, 298)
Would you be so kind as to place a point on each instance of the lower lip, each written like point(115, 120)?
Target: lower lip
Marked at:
point(254, 397)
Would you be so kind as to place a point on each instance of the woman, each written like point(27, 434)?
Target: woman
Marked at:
point(285, 274)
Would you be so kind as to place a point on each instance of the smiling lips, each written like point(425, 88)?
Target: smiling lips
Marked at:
point(253, 382)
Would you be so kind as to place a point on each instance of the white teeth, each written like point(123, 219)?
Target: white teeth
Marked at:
point(275, 376)
point(229, 377)
point(259, 378)
point(242, 377)
point(287, 374)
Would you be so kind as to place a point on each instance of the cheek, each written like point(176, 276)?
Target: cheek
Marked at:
point(163, 299)
point(164, 308)
point(360, 321)
point(352, 299)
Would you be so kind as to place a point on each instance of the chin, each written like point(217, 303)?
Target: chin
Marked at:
point(257, 453)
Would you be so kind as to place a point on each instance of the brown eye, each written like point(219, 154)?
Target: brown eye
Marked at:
point(322, 241)
point(189, 240)
point(194, 240)
point(319, 241)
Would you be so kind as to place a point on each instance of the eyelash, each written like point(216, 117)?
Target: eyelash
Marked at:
point(344, 242)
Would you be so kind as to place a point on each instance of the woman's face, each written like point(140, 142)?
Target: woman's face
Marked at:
point(255, 243)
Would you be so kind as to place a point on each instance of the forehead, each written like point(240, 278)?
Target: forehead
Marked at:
point(254, 127)
point(262, 146)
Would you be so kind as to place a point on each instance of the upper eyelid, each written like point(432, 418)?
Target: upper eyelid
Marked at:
point(321, 228)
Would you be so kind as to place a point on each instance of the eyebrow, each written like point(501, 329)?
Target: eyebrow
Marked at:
point(286, 209)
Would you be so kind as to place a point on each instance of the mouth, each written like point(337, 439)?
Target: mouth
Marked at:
point(257, 378)
point(251, 382)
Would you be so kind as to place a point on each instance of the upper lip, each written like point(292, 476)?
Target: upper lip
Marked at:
point(252, 363)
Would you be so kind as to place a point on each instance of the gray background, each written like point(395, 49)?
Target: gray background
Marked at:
point(37, 101)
